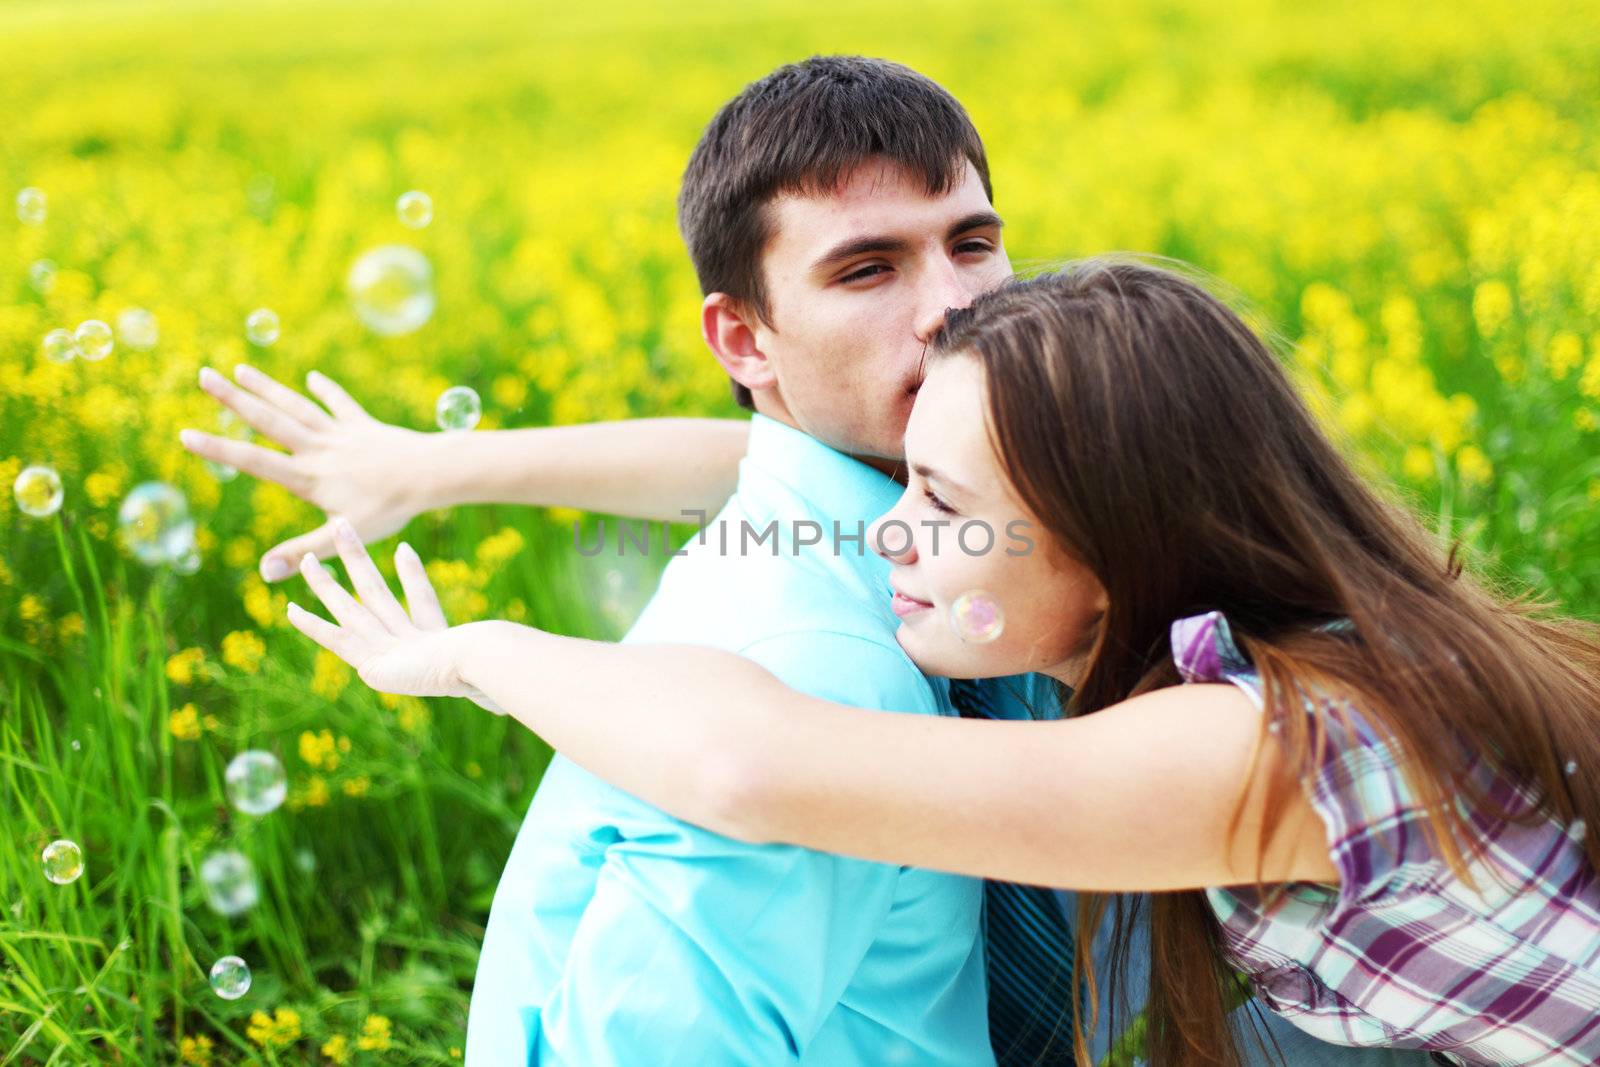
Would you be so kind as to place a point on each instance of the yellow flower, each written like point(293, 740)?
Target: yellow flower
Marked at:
point(1473, 465)
point(330, 675)
point(210, 723)
point(319, 749)
point(31, 609)
point(357, 786)
point(102, 487)
point(181, 666)
point(1584, 420)
point(185, 723)
point(316, 794)
point(1589, 385)
point(1491, 307)
point(499, 547)
point(455, 1052)
point(282, 1028)
point(473, 770)
point(1418, 463)
point(1566, 352)
point(243, 649)
point(195, 1050)
point(374, 1034)
point(71, 626)
point(337, 1048)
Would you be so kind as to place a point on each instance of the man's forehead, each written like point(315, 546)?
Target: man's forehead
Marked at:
point(875, 194)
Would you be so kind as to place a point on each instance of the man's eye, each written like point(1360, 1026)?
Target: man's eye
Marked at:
point(974, 246)
point(938, 505)
point(864, 272)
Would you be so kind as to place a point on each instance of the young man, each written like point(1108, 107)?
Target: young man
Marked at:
point(834, 210)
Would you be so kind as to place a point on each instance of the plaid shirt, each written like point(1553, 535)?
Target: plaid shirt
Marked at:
point(1403, 954)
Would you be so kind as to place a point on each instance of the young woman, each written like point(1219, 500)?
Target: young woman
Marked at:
point(1340, 764)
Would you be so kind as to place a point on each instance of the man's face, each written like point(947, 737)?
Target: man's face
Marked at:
point(858, 280)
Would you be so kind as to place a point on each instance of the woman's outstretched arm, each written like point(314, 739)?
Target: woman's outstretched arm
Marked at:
point(1138, 797)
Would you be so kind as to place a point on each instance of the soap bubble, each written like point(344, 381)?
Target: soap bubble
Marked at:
point(63, 861)
point(306, 860)
point(76, 744)
point(230, 978)
point(1571, 768)
point(415, 209)
point(137, 328)
point(94, 339)
point(228, 425)
point(188, 561)
point(261, 326)
point(38, 491)
point(42, 275)
point(256, 782)
point(976, 617)
point(458, 408)
point(391, 289)
point(229, 881)
point(59, 346)
point(31, 206)
point(155, 524)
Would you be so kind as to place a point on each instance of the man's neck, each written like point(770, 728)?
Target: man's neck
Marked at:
point(777, 411)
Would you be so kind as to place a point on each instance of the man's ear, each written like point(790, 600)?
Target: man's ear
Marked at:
point(730, 330)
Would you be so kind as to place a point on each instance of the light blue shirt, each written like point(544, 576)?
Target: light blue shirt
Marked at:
point(622, 936)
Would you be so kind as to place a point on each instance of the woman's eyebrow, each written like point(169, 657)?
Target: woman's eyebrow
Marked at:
point(929, 474)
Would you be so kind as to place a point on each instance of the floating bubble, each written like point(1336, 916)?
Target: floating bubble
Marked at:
point(228, 425)
point(59, 346)
point(976, 617)
point(188, 561)
point(76, 744)
point(458, 408)
point(38, 491)
point(306, 860)
point(155, 524)
point(31, 206)
point(261, 326)
point(230, 978)
point(1571, 767)
point(63, 861)
point(137, 329)
point(261, 194)
point(256, 782)
point(42, 275)
point(94, 339)
point(415, 209)
point(391, 289)
point(229, 881)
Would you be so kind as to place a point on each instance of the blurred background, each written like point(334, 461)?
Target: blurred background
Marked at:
point(1408, 194)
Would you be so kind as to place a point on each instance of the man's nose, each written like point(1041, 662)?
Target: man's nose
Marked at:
point(942, 291)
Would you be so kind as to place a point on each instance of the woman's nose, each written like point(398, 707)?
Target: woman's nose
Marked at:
point(892, 538)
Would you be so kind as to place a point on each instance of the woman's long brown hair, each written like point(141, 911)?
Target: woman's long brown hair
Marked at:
point(1161, 442)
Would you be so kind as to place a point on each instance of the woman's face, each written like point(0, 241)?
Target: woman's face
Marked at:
point(965, 549)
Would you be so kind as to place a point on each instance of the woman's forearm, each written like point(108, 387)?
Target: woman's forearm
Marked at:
point(1139, 797)
point(665, 468)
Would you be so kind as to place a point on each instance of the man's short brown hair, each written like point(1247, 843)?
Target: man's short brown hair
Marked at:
point(804, 128)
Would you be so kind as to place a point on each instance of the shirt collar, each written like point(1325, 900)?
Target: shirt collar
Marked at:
point(836, 485)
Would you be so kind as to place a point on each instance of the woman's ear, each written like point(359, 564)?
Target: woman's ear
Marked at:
point(729, 329)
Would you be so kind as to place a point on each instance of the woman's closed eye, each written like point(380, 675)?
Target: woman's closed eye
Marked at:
point(938, 505)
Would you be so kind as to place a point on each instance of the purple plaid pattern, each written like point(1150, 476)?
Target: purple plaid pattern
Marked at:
point(1403, 954)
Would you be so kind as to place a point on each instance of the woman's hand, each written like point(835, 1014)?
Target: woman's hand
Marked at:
point(347, 463)
point(412, 655)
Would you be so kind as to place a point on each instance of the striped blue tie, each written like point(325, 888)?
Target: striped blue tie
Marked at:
point(1029, 952)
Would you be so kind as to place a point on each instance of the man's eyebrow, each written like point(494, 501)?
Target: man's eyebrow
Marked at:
point(860, 246)
point(929, 474)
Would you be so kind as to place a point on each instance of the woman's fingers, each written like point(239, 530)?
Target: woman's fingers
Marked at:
point(426, 614)
point(252, 459)
point(263, 417)
point(366, 578)
point(332, 394)
point(272, 391)
point(321, 631)
point(341, 604)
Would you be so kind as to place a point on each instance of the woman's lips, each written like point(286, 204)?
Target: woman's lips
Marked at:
point(903, 605)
